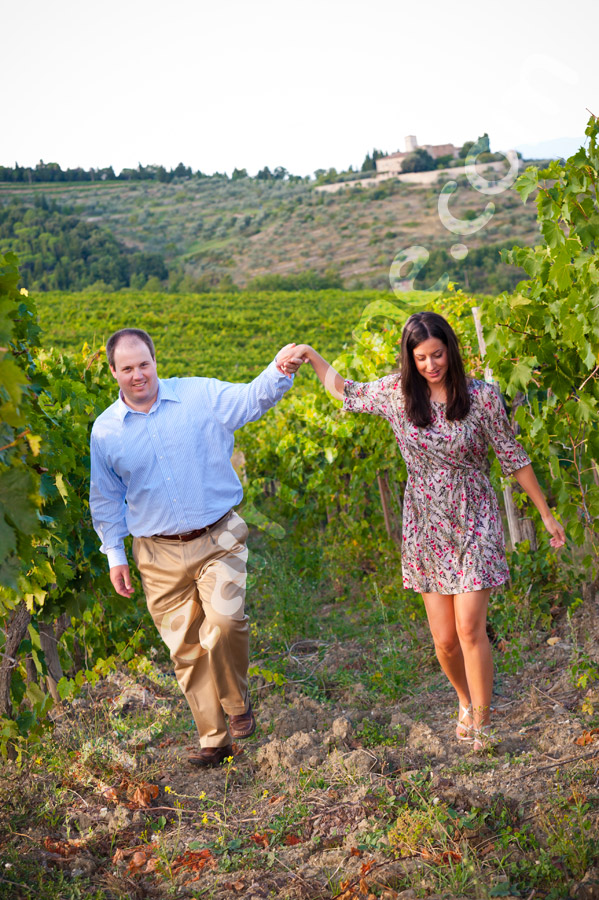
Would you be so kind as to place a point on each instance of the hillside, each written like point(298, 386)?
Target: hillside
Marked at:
point(219, 232)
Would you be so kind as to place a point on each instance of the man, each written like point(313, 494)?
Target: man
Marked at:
point(161, 470)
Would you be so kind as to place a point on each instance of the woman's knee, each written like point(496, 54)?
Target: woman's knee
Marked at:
point(472, 632)
point(446, 644)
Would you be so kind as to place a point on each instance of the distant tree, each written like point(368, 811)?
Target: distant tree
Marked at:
point(149, 264)
point(226, 284)
point(482, 142)
point(182, 171)
point(264, 174)
point(239, 173)
point(327, 177)
point(418, 161)
point(368, 165)
point(280, 173)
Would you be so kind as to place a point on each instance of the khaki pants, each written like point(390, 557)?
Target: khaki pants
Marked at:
point(196, 594)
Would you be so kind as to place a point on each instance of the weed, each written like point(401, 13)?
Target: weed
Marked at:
point(570, 833)
point(583, 670)
point(371, 734)
point(22, 878)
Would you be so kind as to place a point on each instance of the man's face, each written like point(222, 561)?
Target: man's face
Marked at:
point(135, 372)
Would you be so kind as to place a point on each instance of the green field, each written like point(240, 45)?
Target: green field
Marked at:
point(228, 336)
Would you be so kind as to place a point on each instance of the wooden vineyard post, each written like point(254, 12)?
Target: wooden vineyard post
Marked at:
point(384, 492)
point(14, 632)
point(391, 525)
point(50, 635)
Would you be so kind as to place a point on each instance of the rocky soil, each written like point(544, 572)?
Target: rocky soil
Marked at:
point(335, 796)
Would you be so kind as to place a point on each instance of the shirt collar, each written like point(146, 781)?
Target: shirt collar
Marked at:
point(165, 392)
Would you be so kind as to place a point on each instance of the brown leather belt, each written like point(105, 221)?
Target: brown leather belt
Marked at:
point(190, 535)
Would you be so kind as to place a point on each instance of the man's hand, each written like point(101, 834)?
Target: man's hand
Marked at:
point(291, 357)
point(121, 580)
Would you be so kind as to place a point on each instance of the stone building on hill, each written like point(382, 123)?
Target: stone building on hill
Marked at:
point(391, 165)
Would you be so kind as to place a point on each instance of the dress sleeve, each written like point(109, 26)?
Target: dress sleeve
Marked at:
point(509, 452)
point(372, 397)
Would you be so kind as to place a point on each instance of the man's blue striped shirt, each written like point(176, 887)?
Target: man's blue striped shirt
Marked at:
point(169, 470)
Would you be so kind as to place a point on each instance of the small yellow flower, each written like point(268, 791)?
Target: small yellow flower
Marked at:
point(24, 292)
point(264, 794)
point(202, 795)
point(254, 813)
point(204, 819)
point(168, 790)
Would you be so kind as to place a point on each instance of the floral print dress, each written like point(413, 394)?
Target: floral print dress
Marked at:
point(452, 532)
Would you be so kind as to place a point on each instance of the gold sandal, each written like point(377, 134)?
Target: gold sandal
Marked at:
point(463, 732)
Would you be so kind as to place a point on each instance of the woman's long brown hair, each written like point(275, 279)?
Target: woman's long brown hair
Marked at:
point(420, 327)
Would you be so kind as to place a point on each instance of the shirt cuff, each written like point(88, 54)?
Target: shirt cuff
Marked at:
point(116, 557)
point(274, 370)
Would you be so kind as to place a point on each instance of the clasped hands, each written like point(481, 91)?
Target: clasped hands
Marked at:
point(291, 357)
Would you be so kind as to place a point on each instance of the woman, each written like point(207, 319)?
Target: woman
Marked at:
point(453, 549)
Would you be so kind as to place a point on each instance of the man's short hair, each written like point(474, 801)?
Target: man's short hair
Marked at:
point(139, 333)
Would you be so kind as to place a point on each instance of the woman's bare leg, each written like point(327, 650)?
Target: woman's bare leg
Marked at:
point(471, 626)
point(442, 622)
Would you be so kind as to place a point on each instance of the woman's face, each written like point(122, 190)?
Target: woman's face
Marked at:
point(431, 360)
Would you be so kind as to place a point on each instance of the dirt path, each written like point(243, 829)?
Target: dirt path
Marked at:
point(333, 796)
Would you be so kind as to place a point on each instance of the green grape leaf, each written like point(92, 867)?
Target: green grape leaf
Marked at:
point(16, 489)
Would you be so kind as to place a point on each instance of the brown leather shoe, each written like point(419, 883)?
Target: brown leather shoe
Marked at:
point(210, 756)
point(244, 725)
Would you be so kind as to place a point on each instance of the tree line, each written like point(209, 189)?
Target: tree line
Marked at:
point(52, 173)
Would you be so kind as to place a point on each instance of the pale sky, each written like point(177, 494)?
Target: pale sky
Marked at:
point(303, 85)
